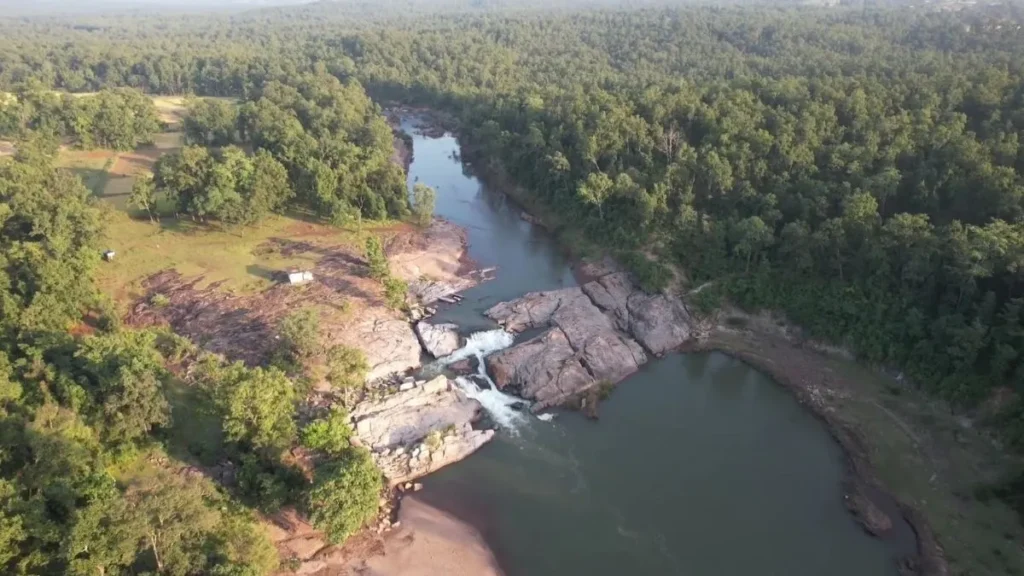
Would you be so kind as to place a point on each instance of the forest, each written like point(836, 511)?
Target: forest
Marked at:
point(860, 169)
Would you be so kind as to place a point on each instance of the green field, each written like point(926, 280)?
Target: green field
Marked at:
point(234, 257)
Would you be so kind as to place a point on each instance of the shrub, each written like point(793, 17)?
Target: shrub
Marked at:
point(346, 367)
point(299, 337)
point(394, 292)
point(345, 495)
point(376, 259)
point(329, 434)
point(268, 484)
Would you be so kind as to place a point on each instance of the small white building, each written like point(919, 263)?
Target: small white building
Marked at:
point(300, 277)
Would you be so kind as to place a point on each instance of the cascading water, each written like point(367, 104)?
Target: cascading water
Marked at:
point(501, 407)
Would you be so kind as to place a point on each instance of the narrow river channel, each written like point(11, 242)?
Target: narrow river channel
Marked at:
point(699, 465)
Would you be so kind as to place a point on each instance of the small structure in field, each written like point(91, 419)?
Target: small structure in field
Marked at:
point(109, 255)
point(302, 277)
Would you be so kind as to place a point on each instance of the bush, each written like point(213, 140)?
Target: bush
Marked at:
point(160, 301)
point(345, 495)
point(299, 337)
point(267, 484)
point(376, 260)
point(652, 276)
point(394, 292)
point(707, 300)
point(329, 434)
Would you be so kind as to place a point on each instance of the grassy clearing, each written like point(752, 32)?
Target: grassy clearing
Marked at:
point(236, 258)
point(92, 166)
point(923, 455)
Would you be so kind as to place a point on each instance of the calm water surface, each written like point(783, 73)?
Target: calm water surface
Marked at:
point(699, 465)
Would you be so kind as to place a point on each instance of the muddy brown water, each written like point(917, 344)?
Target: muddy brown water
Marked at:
point(699, 465)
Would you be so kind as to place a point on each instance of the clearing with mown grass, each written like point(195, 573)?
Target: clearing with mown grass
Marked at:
point(240, 260)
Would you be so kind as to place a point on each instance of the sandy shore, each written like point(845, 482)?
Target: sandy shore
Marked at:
point(430, 542)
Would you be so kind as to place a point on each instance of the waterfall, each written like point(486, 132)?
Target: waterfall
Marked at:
point(498, 404)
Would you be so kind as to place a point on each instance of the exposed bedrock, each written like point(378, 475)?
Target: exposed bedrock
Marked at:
point(590, 337)
point(416, 431)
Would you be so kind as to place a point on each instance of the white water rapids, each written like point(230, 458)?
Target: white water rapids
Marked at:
point(498, 404)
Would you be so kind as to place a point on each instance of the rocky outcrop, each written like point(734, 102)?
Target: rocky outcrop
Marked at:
point(582, 348)
point(590, 340)
point(439, 339)
point(658, 321)
point(545, 369)
point(420, 429)
point(390, 345)
point(445, 447)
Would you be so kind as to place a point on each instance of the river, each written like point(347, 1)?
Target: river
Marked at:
point(699, 465)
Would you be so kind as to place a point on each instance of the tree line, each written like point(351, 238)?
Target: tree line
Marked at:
point(114, 118)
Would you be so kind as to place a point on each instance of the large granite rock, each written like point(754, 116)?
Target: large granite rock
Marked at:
point(390, 345)
point(544, 369)
point(439, 339)
point(583, 348)
point(419, 430)
point(408, 416)
point(443, 448)
point(659, 322)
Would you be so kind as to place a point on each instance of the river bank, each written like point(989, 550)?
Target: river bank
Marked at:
point(429, 542)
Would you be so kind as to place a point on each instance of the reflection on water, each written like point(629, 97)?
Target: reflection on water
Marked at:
point(699, 466)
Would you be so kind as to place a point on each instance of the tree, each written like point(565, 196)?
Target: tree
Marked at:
point(423, 203)
point(257, 405)
point(395, 290)
point(750, 236)
point(143, 195)
point(298, 336)
point(267, 190)
point(346, 367)
point(595, 190)
point(125, 373)
point(211, 122)
point(345, 494)
point(49, 232)
point(106, 535)
point(173, 520)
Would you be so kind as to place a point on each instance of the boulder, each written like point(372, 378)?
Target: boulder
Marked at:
point(658, 321)
point(439, 339)
point(466, 366)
